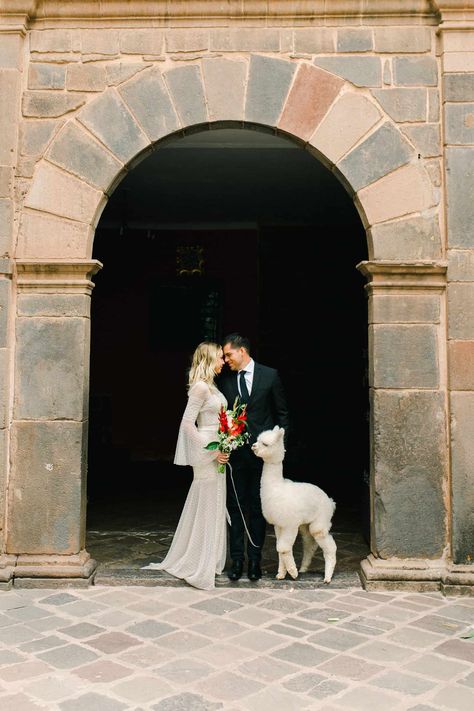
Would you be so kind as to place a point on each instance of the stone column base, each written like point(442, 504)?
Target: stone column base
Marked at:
point(458, 580)
point(48, 571)
point(415, 574)
point(7, 566)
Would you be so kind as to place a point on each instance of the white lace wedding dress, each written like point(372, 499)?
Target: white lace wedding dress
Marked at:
point(198, 549)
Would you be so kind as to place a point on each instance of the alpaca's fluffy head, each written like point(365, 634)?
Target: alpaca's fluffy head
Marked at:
point(269, 445)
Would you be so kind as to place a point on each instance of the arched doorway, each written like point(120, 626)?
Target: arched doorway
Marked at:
point(399, 207)
point(222, 224)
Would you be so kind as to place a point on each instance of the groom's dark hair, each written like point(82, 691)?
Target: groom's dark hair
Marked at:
point(237, 341)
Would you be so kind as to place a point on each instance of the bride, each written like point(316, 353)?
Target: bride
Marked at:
point(198, 549)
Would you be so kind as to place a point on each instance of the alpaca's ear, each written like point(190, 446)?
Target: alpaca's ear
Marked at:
point(281, 433)
point(276, 428)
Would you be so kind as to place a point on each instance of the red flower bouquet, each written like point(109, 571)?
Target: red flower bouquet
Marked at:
point(232, 430)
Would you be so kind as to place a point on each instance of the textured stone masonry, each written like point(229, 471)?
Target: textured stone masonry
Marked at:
point(86, 98)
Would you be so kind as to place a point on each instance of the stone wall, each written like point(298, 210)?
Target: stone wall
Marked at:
point(458, 106)
point(89, 94)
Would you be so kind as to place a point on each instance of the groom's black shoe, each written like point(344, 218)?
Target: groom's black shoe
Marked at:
point(235, 573)
point(254, 571)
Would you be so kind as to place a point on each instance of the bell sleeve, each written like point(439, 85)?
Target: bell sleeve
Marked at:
point(190, 447)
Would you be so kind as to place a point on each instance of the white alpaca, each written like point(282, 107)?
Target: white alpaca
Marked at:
point(291, 506)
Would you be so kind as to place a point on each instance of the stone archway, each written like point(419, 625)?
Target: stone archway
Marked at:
point(346, 129)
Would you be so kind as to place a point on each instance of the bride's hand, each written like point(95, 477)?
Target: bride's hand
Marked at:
point(222, 458)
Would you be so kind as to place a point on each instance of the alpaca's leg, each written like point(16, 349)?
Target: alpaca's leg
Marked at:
point(285, 543)
point(281, 566)
point(309, 548)
point(328, 547)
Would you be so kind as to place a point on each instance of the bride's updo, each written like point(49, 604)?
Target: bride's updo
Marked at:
point(203, 363)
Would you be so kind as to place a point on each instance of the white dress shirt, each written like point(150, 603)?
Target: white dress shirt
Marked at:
point(249, 369)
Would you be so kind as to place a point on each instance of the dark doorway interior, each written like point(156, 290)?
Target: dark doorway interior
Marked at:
point(220, 231)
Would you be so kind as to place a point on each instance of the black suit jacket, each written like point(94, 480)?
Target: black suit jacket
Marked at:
point(267, 403)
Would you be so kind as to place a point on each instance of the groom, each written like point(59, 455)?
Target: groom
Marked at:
point(261, 388)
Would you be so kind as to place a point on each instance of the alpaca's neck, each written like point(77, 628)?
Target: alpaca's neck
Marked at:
point(274, 470)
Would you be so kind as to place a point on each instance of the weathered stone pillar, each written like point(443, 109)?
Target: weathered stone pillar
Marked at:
point(47, 493)
point(457, 61)
point(12, 34)
point(409, 463)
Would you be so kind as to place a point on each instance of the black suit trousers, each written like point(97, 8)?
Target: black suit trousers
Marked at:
point(246, 472)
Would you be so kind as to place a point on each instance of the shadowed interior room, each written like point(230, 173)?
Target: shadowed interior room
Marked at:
point(219, 231)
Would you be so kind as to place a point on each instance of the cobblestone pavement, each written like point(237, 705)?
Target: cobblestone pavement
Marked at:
point(285, 647)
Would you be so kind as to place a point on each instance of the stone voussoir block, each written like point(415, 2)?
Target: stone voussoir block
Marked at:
point(108, 118)
point(381, 153)
point(148, 99)
point(78, 153)
point(405, 191)
point(268, 86)
point(224, 80)
point(348, 120)
point(186, 89)
point(311, 94)
point(62, 194)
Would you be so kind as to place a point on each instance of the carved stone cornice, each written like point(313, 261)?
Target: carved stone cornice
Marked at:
point(189, 10)
point(455, 14)
point(15, 15)
point(58, 277)
point(399, 276)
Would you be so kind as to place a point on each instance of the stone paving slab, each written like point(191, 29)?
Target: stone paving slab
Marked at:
point(258, 648)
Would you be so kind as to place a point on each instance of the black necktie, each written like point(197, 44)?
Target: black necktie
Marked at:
point(244, 393)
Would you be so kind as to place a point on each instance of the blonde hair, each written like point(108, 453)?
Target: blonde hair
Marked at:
point(203, 363)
